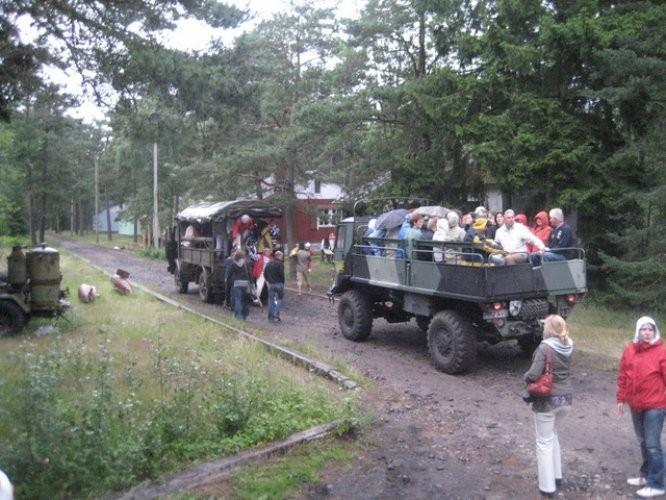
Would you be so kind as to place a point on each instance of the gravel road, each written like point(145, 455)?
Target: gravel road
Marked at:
point(436, 435)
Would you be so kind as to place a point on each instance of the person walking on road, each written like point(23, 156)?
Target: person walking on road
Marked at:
point(274, 275)
point(641, 384)
point(549, 411)
point(303, 267)
point(240, 277)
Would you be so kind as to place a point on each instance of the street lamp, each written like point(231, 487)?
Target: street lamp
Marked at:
point(155, 118)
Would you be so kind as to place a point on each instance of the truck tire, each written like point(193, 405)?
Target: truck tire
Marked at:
point(181, 283)
point(529, 343)
point(451, 342)
point(12, 318)
point(355, 315)
point(205, 287)
point(423, 322)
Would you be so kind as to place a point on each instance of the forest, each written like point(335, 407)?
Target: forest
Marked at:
point(557, 103)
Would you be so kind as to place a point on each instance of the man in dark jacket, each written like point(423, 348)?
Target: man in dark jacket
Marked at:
point(274, 275)
point(561, 237)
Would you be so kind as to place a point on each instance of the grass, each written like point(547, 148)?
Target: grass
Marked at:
point(131, 388)
point(284, 478)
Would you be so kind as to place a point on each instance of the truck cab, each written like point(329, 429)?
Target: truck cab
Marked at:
point(455, 296)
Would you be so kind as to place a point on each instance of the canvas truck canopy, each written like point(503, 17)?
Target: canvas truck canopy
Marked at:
point(210, 211)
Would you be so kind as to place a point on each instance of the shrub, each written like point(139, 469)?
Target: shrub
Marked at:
point(82, 421)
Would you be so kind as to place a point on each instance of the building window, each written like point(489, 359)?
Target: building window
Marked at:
point(317, 186)
point(328, 217)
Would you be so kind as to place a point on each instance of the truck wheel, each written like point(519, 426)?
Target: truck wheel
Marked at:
point(12, 318)
point(451, 342)
point(205, 289)
point(423, 323)
point(529, 343)
point(181, 283)
point(355, 315)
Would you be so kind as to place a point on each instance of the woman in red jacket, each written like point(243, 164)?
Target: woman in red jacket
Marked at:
point(641, 384)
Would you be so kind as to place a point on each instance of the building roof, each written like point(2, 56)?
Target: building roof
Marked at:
point(207, 211)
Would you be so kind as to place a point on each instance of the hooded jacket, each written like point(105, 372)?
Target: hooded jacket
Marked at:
point(561, 359)
point(543, 231)
point(641, 380)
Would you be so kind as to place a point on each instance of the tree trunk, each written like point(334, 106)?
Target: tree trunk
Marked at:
point(82, 219)
point(31, 205)
point(421, 61)
point(258, 189)
point(109, 235)
point(135, 235)
point(72, 217)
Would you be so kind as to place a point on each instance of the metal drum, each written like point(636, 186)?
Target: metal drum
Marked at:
point(44, 273)
point(17, 273)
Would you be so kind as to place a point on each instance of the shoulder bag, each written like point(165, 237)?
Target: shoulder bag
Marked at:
point(543, 386)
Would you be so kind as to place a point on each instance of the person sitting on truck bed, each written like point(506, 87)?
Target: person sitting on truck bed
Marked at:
point(449, 230)
point(514, 238)
point(561, 237)
point(192, 232)
point(477, 234)
point(413, 235)
point(427, 232)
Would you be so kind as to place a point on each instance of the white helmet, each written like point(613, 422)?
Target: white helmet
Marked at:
point(307, 245)
point(245, 219)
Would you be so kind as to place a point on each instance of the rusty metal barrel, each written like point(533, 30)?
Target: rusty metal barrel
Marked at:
point(17, 272)
point(43, 265)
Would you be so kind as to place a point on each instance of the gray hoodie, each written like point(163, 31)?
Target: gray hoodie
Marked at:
point(561, 358)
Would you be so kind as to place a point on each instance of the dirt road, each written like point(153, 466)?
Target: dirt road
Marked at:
point(436, 435)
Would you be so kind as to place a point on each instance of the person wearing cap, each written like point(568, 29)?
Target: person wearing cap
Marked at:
point(641, 385)
point(514, 238)
point(241, 227)
point(303, 266)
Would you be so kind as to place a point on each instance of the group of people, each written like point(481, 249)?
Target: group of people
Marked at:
point(498, 239)
point(641, 385)
point(245, 280)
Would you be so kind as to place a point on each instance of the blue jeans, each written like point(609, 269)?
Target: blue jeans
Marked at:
point(648, 425)
point(553, 257)
point(241, 309)
point(275, 294)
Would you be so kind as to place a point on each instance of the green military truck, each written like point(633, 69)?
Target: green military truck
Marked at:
point(200, 259)
point(458, 300)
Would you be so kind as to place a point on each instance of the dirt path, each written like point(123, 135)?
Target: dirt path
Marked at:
point(436, 435)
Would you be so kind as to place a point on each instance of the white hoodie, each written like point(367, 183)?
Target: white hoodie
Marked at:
point(6, 488)
point(646, 320)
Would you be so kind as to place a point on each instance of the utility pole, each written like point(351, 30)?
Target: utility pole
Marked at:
point(96, 219)
point(155, 118)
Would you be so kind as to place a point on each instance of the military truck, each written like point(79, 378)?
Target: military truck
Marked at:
point(30, 288)
point(458, 300)
point(200, 259)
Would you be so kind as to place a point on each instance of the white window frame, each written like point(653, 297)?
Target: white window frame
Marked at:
point(328, 217)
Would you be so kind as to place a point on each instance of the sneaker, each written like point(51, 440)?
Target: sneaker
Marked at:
point(637, 481)
point(649, 492)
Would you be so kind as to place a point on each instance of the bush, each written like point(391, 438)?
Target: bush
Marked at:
point(81, 421)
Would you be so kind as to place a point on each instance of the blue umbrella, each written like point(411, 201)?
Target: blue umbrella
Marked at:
point(391, 219)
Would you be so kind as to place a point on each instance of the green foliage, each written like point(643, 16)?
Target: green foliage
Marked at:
point(83, 421)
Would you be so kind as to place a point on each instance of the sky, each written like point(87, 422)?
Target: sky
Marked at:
point(191, 35)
